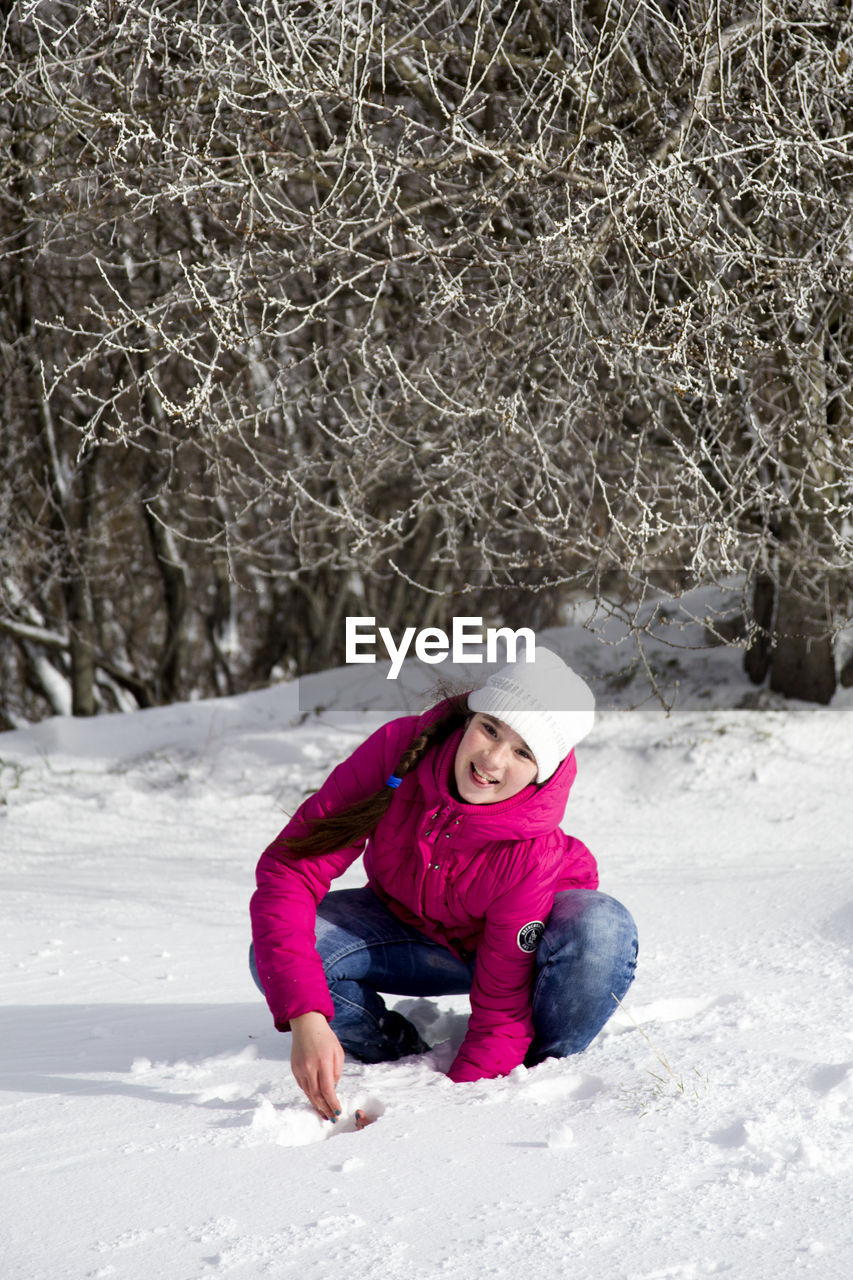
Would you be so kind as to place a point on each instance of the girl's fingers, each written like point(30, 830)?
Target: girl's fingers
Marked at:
point(320, 1092)
point(312, 1092)
point(320, 1104)
point(331, 1069)
point(328, 1080)
point(317, 1061)
point(315, 1094)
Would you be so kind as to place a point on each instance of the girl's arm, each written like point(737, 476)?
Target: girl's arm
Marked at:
point(501, 1025)
point(580, 870)
point(500, 1028)
point(284, 905)
point(284, 912)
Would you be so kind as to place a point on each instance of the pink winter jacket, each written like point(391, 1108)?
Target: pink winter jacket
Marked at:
point(468, 876)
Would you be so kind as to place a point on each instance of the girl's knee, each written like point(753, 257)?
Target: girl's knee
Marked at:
point(615, 917)
point(586, 918)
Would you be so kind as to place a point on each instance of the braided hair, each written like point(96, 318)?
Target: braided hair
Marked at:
point(349, 826)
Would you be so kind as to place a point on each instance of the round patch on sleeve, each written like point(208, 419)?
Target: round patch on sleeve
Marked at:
point(529, 935)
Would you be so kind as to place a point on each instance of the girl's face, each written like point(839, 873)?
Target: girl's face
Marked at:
point(492, 762)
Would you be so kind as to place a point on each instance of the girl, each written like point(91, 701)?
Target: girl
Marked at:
point(472, 887)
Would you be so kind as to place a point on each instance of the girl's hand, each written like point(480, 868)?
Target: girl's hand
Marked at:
point(317, 1061)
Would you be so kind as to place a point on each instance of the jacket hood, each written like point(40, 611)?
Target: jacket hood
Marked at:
point(534, 811)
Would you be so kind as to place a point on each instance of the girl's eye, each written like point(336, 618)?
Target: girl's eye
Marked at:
point(489, 729)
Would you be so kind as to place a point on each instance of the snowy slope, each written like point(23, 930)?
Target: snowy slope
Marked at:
point(150, 1124)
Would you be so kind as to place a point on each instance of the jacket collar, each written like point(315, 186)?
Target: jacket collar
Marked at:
point(534, 811)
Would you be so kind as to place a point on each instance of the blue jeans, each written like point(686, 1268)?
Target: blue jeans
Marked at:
point(585, 957)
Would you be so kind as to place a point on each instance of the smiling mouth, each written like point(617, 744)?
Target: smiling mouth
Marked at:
point(482, 777)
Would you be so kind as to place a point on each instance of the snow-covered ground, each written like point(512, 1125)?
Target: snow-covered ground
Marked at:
point(151, 1127)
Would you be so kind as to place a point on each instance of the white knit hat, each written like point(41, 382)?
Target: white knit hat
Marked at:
point(544, 701)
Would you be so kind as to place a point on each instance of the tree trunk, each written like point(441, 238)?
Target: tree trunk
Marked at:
point(170, 565)
point(756, 660)
point(174, 581)
point(69, 482)
point(793, 602)
point(802, 662)
point(82, 647)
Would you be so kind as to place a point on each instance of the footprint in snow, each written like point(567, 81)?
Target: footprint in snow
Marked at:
point(829, 1076)
point(556, 1086)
